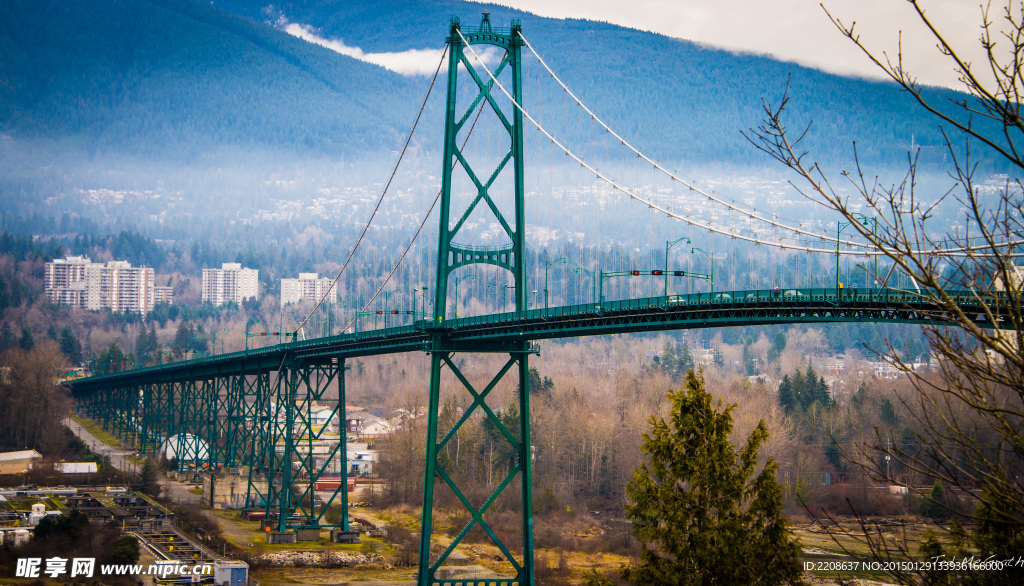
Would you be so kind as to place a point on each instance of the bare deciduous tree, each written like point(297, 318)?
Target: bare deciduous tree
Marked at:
point(972, 411)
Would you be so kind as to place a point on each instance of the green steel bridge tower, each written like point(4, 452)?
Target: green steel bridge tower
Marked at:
point(453, 256)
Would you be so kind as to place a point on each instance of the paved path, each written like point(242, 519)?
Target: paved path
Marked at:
point(117, 457)
point(176, 491)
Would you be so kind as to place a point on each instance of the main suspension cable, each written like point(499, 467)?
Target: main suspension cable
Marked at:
point(673, 175)
point(422, 223)
point(383, 192)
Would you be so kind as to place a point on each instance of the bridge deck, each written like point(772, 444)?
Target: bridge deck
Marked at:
point(698, 310)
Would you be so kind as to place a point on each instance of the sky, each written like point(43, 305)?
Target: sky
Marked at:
point(798, 30)
point(790, 30)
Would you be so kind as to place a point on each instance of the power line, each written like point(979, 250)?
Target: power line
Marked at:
point(671, 174)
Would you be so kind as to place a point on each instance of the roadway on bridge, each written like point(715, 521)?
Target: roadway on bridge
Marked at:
point(495, 332)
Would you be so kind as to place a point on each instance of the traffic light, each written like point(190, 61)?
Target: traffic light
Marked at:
point(394, 312)
point(635, 273)
point(379, 312)
point(657, 272)
point(679, 273)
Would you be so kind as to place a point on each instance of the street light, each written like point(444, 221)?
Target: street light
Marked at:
point(536, 301)
point(247, 334)
point(504, 291)
point(415, 292)
point(387, 295)
point(457, 281)
point(547, 265)
point(593, 279)
point(668, 246)
point(712, 257)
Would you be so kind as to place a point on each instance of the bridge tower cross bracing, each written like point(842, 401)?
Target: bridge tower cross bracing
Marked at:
point(452, 256)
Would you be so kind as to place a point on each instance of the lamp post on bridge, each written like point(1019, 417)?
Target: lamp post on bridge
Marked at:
point(668, 246)
point(712, 257)
point(247, 334)
point(863, 220)
point(593, 279)
point(457, 281)
point(547, 265)
point(387, 295)
point(415, 291)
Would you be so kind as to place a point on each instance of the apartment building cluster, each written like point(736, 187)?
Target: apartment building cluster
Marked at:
point(308, 287)
point(114, 285)
point(230, 283)
point(118, 286)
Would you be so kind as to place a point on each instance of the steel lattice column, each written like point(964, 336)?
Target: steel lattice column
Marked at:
point(451, 257)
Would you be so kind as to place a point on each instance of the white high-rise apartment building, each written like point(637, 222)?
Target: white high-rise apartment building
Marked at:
point(230, 283)
point(307, 286)
point(116, 285)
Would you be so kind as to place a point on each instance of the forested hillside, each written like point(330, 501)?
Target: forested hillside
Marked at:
point(181, 80)
point(177, 79)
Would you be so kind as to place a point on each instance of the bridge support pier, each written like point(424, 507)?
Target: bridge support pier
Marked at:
point(511, 423)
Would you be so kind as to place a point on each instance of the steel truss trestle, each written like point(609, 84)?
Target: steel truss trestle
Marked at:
point(274, 426)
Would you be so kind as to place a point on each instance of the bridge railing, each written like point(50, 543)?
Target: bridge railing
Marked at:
point(724, 298)
point(760, 297)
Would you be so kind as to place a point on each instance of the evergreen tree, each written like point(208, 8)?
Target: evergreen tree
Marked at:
point(684, 358)
point(888, 412)
point(697, 507)
point(749, 362)
point(817, 390)
point(786, 397)
point(934, 506)
point(27, 342)
point(124, 550)
point(183, 337)
point(803, 389)
point(834, 455)
point(667, 360)
point(70, 346)
point(142, 346)
point(6, 337)
point(113, 359)
point(149, 482)
point(5, 296)
point(151, 340)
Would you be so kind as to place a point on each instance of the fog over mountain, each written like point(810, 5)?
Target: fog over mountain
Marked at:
point(176, 116)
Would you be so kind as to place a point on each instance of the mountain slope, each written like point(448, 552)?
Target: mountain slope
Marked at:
point(179, 80)
point(679, 99)
point(174, 77)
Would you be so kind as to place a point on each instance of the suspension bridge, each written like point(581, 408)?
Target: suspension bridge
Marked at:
point(254, 410)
